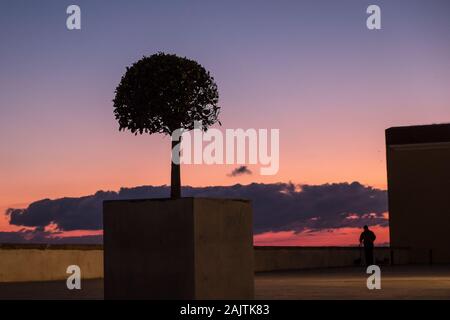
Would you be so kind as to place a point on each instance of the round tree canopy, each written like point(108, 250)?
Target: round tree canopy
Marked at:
point(164, 92)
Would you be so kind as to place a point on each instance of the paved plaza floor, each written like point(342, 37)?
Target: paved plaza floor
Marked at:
point(398, 282)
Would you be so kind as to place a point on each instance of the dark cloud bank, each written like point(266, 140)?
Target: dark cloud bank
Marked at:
point(277, 207)
point(240, 171)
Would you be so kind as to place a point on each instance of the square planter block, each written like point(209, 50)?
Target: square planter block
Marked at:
point(188, 248)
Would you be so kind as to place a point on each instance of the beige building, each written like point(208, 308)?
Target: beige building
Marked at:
point(418, 165)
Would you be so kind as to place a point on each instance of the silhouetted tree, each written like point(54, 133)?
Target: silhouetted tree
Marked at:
point(163, 93)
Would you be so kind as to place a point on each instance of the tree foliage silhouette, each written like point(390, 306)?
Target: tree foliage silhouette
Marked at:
point(162, 93)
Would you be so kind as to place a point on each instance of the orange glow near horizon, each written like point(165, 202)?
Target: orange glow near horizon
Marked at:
point(77, 233)
point(330, 237)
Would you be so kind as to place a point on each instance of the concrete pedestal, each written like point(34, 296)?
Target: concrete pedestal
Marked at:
point(188, 248)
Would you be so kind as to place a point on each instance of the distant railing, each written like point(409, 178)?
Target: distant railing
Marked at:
point(295, 258)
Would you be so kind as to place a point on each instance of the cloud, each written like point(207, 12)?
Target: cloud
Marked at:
point(277, 207)
point(39, 236)
point(67, 213)
point(240, 171)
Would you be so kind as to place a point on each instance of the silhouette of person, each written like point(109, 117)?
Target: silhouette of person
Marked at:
point(367, 237)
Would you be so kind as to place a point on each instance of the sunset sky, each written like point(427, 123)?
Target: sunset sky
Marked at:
point(309, 68)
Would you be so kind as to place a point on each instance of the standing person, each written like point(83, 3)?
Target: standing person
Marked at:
point(367, 238)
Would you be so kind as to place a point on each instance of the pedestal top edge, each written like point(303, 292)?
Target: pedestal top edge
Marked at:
point(182, 198)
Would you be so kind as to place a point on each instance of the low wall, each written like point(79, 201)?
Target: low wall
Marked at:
point(20, 263)
point(292, 258)
point(23, 262)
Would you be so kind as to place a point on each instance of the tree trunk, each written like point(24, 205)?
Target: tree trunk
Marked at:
point(175, 179)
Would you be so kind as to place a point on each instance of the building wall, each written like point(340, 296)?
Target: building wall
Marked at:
point(20, 263)
point(419, 200)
